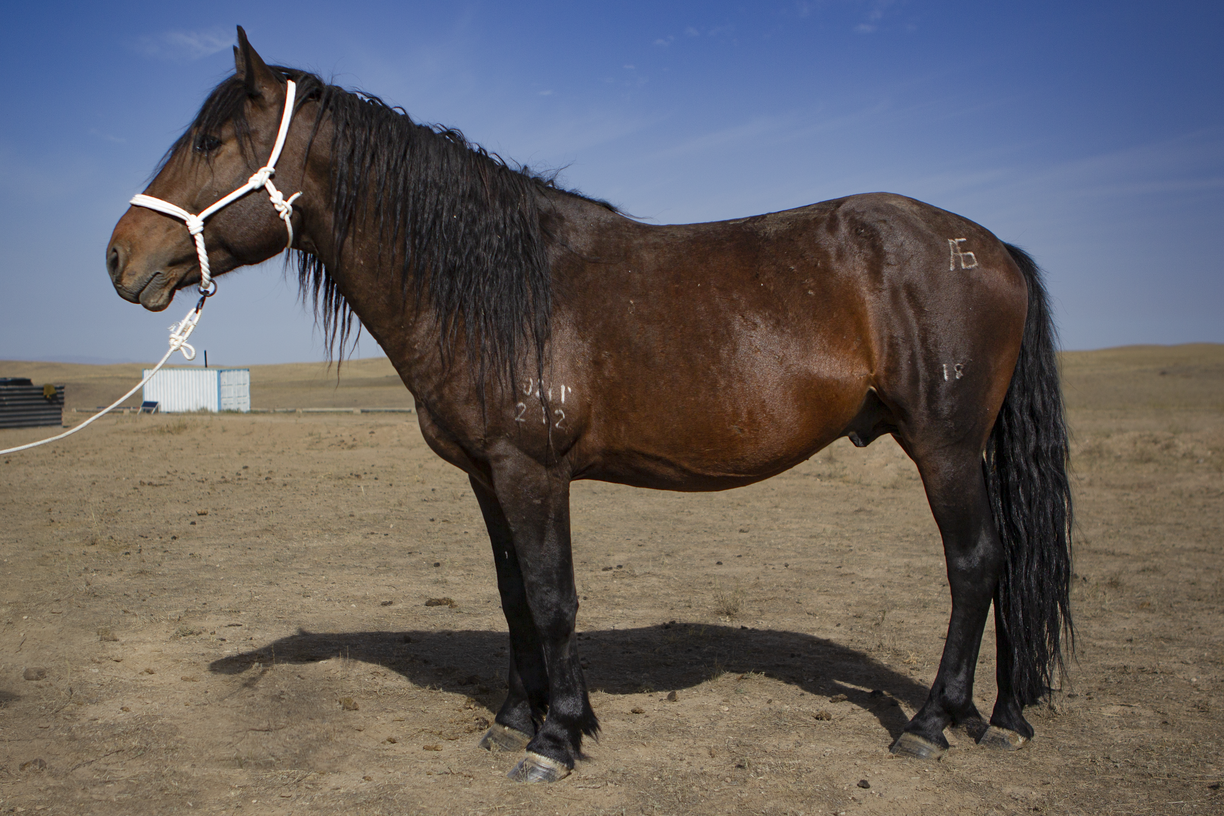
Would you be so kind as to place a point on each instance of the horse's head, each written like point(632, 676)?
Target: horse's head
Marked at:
point(153, 251)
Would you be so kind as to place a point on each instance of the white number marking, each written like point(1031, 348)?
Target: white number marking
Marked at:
point(534, 388)
point(967, 260)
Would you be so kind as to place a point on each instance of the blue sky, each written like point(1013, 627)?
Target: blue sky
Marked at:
point(1092, 134)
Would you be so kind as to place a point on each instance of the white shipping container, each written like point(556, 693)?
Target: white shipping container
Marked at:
point(177, 390)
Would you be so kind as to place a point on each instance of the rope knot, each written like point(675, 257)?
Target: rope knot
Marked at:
point(195, 224)
point(261, 177)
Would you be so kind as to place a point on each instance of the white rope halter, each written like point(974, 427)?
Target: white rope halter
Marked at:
point(262, 178)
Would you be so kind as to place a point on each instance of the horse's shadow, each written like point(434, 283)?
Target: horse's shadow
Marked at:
point(664, 657)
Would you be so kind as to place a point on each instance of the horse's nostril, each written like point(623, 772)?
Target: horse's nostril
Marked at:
point(114, 262)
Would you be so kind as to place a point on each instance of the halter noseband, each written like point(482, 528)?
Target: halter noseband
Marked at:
point(262, 178)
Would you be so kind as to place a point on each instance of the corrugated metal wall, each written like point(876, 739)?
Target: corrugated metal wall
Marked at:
point(30, 406)
point(177, 390)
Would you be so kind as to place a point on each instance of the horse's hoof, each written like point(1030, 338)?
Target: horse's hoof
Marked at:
point(1002, 738)
point(504, 738)
point(915, 746)
point(538, 768)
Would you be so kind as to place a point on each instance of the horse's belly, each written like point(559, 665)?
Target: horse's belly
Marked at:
point(718, 443)
point(644, 470)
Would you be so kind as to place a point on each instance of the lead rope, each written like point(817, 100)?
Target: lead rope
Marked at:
point(180, 331)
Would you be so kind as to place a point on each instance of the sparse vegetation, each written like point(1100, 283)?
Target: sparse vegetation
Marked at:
point(728, 602)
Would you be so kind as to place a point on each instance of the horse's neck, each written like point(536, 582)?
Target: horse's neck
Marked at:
point(369, 279)
point(369, 275)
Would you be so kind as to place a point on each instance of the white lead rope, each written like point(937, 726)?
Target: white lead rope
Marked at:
point(180, 331)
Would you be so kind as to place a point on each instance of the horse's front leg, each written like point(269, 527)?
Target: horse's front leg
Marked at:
point(527, 700)
point(535, 505)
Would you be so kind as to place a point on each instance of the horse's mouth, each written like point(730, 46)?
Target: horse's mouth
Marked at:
point(154, 292)
point(156, 295)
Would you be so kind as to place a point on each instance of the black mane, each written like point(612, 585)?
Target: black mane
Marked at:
point(462, 229)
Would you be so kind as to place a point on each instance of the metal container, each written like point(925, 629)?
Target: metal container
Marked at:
point(178, 390)
point(25, 405)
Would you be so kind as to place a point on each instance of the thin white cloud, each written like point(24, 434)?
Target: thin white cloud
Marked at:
point(874, 16)
point(183, 46)
point(1183, 164)
point(753, 130)
point(775, 130)
point(106, 136)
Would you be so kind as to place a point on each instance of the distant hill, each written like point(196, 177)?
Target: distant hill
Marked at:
point(369, 383)
point(1185, 377)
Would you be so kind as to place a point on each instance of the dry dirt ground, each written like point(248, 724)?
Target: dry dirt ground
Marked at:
point(296, 614)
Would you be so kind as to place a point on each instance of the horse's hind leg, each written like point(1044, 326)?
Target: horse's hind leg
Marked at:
point(956, 490)
point(1008, 728)
point(527, 700)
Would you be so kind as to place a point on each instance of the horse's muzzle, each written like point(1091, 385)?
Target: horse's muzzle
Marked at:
point(148, 288)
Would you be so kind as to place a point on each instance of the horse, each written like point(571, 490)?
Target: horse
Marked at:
point(547, 337)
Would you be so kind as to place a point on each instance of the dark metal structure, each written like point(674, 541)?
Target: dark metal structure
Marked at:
point(25, 405)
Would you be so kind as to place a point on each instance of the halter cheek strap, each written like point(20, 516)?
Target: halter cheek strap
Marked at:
point(262, 178)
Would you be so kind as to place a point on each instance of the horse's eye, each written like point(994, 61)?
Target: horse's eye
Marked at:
point(206, 143)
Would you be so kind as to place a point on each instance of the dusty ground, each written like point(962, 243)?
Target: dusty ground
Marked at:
point(224, 614)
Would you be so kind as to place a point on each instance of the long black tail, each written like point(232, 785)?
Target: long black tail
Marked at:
point(1030, 496)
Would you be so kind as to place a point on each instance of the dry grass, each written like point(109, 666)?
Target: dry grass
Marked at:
point(798, 622)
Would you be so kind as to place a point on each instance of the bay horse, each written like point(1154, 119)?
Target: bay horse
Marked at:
point(547, 337)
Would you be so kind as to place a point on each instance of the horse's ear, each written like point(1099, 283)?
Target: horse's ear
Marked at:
point(250, 67)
